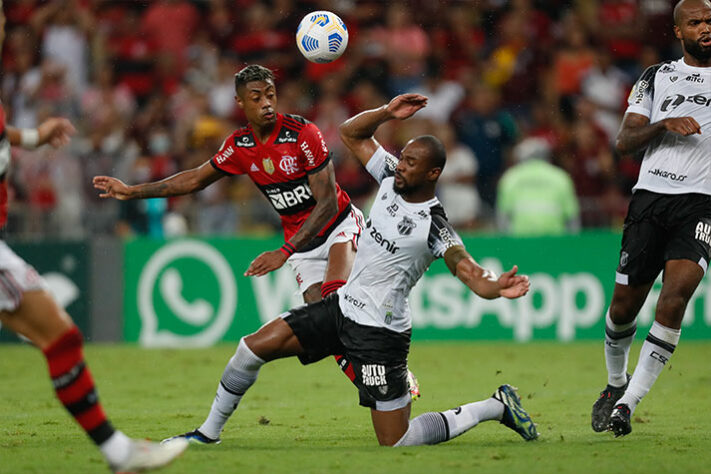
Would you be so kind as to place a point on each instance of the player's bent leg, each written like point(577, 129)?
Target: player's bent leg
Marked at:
point(390, 426)
point(273, 341)
point(436, 427)
point(681, 278)
point(620, 329)
point(38, 318)
point(312, 293)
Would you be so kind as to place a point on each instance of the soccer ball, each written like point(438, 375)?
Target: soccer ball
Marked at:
point(321, 37)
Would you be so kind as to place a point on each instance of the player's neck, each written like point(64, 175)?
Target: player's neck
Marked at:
point(263, 133)
point(418, 196)
point(690, 60)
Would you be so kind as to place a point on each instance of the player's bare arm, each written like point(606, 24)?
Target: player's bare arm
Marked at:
point(484, 282)
point(185, 182)
point(323, 187)
point(357, 132)
point(54, 131)
point(636, 132)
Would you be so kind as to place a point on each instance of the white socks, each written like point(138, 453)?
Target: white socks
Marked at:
point(240, 373)
point(116, 449)
point(436, 427)
point(618, 339)
point(656, 351)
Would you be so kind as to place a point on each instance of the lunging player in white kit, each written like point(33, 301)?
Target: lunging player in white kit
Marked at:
point(668, 225)
point(368, 319)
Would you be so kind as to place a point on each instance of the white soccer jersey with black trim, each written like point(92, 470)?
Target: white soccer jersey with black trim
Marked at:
point(400, 241)
point(674, 164)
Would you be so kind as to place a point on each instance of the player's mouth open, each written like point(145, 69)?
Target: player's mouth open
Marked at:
point(705, 41)
point(269, 115)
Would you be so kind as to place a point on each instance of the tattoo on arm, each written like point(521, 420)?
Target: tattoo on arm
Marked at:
point(323, 187)
point(636, 133)
point(453, 256)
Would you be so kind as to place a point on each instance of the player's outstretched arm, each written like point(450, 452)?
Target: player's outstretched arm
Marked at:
point(54, 131)
point(636, 132)
point(185, 182)
point(357, 132)
point(484, 282)
point(323, 187)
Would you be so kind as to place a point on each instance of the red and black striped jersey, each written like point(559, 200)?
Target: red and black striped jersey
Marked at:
point(280, 168)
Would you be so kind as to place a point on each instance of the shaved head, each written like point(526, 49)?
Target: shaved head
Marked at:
point(684, 6)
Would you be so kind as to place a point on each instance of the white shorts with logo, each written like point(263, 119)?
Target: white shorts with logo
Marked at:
point(16, 277)
point(310, 267)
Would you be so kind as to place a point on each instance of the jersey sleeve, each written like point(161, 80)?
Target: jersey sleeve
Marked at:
point(642, 95)
point(381, 165)
point(225, 160)
point(313, 150)
point(442, 236)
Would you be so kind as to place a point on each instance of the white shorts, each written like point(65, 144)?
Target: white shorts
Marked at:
point(16, 277)
point(310, 267)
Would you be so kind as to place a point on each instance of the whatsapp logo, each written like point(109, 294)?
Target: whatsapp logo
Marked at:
point(187, 296)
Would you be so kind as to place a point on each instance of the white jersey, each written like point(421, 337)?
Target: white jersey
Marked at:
point(400, 241)
point(674, 164)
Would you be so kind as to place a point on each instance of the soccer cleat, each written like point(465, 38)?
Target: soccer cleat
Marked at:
point(413, 386)
point(602, 408)
point(146, 455)
point(193, 437)
point(620, 423)
point(515, 417)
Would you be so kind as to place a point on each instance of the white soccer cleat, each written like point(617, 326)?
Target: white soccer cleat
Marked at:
point(146, 455)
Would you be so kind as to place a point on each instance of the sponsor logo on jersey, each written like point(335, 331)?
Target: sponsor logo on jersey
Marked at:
point(624, 259)
point(695, 78)
point(268, 165)
point(373, 375)
point(288, 164)
point(222, 157)
point(354, 301)
point(383, 242)
point(405, 226)
point(385, 196)
point(671, 102)
point(703, 232)
point(668, 175)
point(673, 78)
point(286, 199)
point(308, 154)
point(637, 94)
point(392, 209)
point(668, 68)
point(447, 238)
point(245, 142)
point(423, 215)
point(286, 136)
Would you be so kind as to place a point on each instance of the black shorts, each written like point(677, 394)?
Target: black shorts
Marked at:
point(375, 357)
point(661, 227)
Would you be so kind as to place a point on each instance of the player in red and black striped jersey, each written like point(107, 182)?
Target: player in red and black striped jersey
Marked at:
point(287, 158)
point(28, 308)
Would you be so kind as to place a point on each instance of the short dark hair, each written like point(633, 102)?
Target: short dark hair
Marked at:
point(253, 72)
point(436, 153)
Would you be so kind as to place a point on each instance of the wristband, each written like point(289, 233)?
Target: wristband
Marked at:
point(288, 249)
point(29, 137)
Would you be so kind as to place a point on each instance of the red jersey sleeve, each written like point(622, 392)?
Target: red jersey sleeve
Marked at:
point(313, 151)
point(225, 160)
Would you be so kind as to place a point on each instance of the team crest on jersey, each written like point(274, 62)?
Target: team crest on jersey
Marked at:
point(673, 78)
point(288, 164)
point(406, 225)
point(268, 165)
point(624, 259)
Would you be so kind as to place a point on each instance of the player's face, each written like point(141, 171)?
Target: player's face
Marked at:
point(694, 31)
point(413, 169)
point(258, 100)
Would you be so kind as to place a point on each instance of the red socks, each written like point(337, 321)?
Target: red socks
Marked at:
point(74, 386)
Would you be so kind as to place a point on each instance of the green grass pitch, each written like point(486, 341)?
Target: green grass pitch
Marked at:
point(306, 419)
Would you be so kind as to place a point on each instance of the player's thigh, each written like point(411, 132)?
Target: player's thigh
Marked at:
point(390, 426)
point(38, 317)
point(274, 340)
point(309, 268)
point(340, 261)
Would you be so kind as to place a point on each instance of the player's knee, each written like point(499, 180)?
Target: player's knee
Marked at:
point(671, 307)
point(313, 294)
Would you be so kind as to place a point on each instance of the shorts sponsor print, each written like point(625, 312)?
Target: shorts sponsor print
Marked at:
point(659, 228)
point(375, 358)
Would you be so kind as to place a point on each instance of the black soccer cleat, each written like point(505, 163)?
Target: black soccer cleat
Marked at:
point(193, 437)
point(620, 423)
point(602, 408)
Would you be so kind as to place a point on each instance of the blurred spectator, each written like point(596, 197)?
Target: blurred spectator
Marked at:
point(457, 183)
point(444, 95)
point(606, 86)
point(169, 25)
point(535, 197)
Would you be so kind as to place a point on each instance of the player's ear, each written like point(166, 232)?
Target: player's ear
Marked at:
point(677, 32)
point(239, 101)
point(434, 174)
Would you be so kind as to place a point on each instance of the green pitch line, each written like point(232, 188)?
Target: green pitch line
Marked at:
point(306, 419)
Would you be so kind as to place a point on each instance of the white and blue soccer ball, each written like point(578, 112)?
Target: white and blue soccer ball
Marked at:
point(322, 37)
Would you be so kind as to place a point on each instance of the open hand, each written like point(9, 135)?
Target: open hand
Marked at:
point(405, 105)
point(112, 187)
point(512, 285)
point(55, 131)
point(265, 263)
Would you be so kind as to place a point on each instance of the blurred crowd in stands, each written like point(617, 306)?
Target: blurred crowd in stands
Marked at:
point(149, 85)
